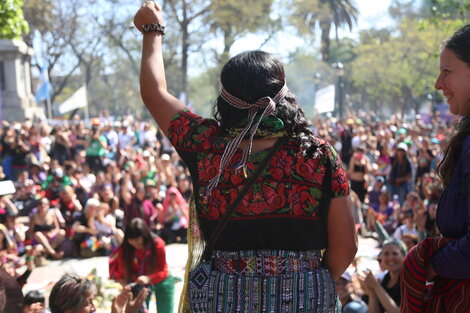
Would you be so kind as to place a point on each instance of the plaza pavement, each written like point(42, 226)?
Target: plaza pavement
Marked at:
point(44, 277)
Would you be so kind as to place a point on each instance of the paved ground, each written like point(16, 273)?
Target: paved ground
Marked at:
point(44, 277)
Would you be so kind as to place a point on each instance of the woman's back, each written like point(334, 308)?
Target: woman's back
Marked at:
point(281, 209)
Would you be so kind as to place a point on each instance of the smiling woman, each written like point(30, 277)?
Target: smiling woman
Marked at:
point(449, 266)
point(453, 81)
point(384, 296)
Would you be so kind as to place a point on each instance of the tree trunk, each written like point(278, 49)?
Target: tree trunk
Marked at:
point(184, 60)
point(184, 51)
point(325, 27)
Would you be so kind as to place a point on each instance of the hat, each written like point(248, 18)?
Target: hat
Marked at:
point(346, 276)
point(165, 157)
point(58, 172)
point(402, 146)
point(11, 296)
point(380, 179)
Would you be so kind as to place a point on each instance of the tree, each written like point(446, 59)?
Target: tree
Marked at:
point(235, 18)
point(393, 67)
point(188, 15)
point(12, 22)
point(326, 13)
point(446, 9)
point(41, 18)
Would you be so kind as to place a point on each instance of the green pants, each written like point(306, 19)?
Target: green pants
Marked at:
point(164, 294)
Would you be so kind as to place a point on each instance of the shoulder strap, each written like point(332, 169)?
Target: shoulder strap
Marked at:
point(223, 222)
point(326, 198)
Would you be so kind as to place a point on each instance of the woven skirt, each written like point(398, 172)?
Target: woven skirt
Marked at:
point(271, 281)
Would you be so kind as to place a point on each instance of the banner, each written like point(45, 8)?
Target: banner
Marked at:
point(325, 100)
point(45, 89)
point(76, 101)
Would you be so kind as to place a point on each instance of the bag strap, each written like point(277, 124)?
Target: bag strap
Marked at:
point(223, 222)
point(326, 197)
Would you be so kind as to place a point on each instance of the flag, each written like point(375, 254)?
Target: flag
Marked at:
point(45, 89)
point(75, 101)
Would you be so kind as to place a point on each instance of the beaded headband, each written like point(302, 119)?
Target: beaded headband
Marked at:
point(266, 103)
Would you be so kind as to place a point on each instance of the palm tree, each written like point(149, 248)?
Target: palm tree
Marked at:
point(327, 13)
point(337, 13)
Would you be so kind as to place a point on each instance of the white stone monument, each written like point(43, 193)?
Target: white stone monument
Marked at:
point(17, 101)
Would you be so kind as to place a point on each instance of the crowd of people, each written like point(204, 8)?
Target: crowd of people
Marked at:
point(120, 188)
point(77, 186)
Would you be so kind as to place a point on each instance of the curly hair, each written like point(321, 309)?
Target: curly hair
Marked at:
point(252, 75)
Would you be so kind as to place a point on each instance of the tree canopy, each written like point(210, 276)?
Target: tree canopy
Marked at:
point(12, 22)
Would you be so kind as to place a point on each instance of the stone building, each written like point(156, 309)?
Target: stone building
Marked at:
point(17, 101)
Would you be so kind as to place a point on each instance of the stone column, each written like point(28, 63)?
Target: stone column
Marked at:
point(17, 99)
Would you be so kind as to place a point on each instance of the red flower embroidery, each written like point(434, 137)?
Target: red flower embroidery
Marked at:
point(208, 167)
point(275, 199)
point(310, 169)
point(300, 199)
point(281, 165)
point(235, 178)
point(203, 138)
point(217, 205)
point(340, 184)
point(180, 128)
point(256, 206)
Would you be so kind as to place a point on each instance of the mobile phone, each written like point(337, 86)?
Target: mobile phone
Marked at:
point(135, 289)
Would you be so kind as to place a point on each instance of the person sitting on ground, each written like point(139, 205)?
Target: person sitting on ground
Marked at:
point(384, 296)
point(350, 302)
point(408, 226)
point(174, 217)
point(87, 239)
point(44, 229)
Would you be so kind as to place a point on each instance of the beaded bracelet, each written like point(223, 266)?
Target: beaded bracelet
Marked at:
point(154, 27)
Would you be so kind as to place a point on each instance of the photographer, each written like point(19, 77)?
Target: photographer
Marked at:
point(96, 150)
point(140, 261)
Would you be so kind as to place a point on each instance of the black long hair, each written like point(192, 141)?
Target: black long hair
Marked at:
point(68, 293)
point(252, 75)
point(136, 228)
point(459, 43)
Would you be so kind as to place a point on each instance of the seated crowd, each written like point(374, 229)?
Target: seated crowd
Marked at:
point(77, 187)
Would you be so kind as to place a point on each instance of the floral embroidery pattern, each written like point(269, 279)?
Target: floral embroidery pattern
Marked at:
point(290, 186)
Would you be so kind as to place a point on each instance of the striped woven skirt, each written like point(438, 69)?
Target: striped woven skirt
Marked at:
point(270, 281)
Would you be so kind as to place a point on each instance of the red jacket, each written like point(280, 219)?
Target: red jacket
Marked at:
point(139, 264)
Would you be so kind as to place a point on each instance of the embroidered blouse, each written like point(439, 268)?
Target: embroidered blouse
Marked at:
point(282, 208)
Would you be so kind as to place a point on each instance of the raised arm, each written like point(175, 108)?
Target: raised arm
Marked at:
point(162, 105)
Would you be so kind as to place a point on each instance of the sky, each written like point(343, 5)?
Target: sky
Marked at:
point(373, 13)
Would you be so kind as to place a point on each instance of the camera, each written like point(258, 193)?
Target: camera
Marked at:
point(135, 289)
